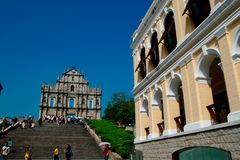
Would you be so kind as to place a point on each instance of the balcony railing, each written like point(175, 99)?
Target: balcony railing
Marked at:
point(218, 111)
point(147, 131)
point(161, 127)
point(180, 121)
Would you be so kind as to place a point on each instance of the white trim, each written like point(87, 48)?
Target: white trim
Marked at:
point(216, 7)
point(236, 58)
point(139, 139)
point(204, 63)
point(172, 74)
point(201, 130)
point(173, 84)
point(236, 47)
point(197, 125)
point(153, 135)
point(233, 116)
point(144, 109)
point(172, 97)
point(203, 80)
point(220, 32)
point(168, 132)
point(148, 21)
point(204, 50)
point(155, 106)
point(143, 112)
point(158, 91)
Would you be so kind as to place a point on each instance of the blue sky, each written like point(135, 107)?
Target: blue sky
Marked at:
point(40, 39)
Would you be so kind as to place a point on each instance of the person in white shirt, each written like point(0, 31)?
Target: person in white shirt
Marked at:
point(5, 151)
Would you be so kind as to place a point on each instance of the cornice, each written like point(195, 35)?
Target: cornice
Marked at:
point(148, 21)
point(207, 30)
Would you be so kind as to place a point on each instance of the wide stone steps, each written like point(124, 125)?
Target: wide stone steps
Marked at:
point(42, 141)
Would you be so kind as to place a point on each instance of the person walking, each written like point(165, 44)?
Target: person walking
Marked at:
point(40, 122)
point(68, 152)
point(56, 153)
point(5, 151)
point(10, 143)
point(27, 154)
point(106, 152)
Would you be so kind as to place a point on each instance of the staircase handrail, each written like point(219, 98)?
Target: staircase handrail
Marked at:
point(9, 128)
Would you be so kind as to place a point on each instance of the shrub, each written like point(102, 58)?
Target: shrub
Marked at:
point(121, 141)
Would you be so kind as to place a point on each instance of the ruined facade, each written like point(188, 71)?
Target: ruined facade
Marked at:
point(70, 96)
point(186, 56)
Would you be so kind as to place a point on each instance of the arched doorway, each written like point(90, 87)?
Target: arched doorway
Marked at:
point(175, 91)
point(219, 92)
point(201, 153)
point(158, 102)
point(145, 117)
point(210, 70)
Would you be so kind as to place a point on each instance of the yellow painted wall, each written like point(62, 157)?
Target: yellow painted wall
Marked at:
point(196, 95)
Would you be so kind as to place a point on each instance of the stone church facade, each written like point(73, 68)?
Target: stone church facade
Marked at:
point(71, 96)
point(186, 56)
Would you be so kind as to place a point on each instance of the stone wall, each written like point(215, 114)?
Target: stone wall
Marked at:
point(224, 136)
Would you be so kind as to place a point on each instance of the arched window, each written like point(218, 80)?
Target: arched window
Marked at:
point(198, 10)
point(143, 70)
point(71, 103)
point(52, 102)
point(141, 67)
point(72, 88)
point(154, 54)
point(90, 104)
point(169, 38)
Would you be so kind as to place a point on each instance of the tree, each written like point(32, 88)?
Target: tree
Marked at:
point(120, 108)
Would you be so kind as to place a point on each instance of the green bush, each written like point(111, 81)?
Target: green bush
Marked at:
point(121, 141)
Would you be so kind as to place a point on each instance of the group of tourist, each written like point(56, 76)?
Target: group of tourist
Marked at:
point(68, 152)
point(27, 122)
point(61, 119)
point(5, 151)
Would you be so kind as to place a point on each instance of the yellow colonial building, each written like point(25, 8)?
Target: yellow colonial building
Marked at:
point(186, 56)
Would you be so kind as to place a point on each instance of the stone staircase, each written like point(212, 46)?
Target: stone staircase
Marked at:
point(42, 141)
